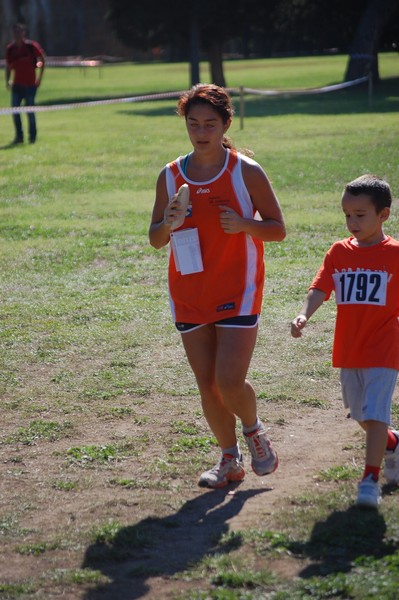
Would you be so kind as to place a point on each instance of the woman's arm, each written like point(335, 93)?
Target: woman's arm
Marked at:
point(159, 231)
point(164, 214)
point(271, 227)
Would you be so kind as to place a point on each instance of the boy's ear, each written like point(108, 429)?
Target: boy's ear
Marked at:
point(384, 214)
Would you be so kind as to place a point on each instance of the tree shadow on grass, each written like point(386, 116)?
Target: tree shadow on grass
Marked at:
point(165, 546)
point(344, 536)
point(384, 99)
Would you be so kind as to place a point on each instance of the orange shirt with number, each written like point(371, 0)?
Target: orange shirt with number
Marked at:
point(366, 285)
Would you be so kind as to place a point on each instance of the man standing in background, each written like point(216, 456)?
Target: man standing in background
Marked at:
point(25, 61)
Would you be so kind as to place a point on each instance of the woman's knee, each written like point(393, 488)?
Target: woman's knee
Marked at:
point(230, 385)
point(207, 387)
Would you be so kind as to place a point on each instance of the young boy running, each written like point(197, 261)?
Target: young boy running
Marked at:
point(363, 271)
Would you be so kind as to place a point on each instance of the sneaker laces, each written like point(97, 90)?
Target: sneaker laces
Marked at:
point(254, 438)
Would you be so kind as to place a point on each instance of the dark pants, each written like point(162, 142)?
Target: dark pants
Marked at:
point(18, 94)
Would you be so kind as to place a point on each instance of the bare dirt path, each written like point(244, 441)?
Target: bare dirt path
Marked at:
point(314, 440)
point(186, 525)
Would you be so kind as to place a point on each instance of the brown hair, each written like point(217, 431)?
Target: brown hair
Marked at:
point(371, 185)
point(214, 96)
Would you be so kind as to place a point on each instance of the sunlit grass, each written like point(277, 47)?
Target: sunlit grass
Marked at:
point(88, 349)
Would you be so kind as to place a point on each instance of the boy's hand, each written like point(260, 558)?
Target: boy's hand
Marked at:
point(297, 325)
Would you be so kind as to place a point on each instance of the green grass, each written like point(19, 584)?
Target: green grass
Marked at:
point(87, 455)
point(339, 473)
point(40, 430)
point(134, 79)
point(101, 420)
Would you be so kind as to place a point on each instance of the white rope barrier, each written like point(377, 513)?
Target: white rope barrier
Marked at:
point(287, 93)
point(322, 90)
point(162, 96)
point(40, 108)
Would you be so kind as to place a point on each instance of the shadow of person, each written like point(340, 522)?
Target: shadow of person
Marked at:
point(344, 536)
point(11, 145)
point(164, 546)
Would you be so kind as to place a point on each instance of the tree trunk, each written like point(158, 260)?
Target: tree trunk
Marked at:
point(194, 48)
point(216, 63)
point(363, 57)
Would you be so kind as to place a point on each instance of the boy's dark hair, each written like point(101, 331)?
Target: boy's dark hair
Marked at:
point(371, 185)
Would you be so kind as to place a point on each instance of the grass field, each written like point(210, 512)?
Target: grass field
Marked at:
point(102, 436)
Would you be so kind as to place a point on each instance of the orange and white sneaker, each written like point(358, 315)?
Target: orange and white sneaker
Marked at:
point(226, 470)
point(264, 458)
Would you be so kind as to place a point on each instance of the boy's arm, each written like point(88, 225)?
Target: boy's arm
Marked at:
point(314, 299)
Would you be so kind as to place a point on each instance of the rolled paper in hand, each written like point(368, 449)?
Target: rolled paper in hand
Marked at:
point(183, 198)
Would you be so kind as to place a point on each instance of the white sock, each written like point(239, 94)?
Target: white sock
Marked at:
point(234, 451)
point(254, 427)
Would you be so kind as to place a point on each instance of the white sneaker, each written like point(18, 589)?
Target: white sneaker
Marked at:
point(264, 458)
point(227, 469)
point(368, 493)
point(391, 467)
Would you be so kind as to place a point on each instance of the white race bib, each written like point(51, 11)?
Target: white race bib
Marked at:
point(187, 251)
point(361, 287)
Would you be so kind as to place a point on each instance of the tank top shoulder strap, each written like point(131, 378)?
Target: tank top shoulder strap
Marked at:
point(181, 162)
point(232, 160)
point(184, 160)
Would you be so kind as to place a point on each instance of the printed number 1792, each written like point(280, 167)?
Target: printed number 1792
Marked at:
point(363, 287)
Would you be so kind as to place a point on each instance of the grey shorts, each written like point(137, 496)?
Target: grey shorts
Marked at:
point(368, 393)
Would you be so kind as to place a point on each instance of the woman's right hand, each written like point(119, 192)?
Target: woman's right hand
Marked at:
point(175, 213)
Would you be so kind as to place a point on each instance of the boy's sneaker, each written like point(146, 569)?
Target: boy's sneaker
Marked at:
point(227, 469)
point(391, 467)
point(368, 495)
point(264, 458)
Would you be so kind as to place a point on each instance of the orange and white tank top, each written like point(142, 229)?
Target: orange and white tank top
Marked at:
point(231, 283)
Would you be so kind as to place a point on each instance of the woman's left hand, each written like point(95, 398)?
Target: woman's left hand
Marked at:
point(230, 221)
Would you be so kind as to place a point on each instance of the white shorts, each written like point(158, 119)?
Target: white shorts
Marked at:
point(368, 393)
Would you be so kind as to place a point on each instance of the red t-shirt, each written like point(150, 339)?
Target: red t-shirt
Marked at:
point(22, 60)
point(231, 283)
point(366, 286)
